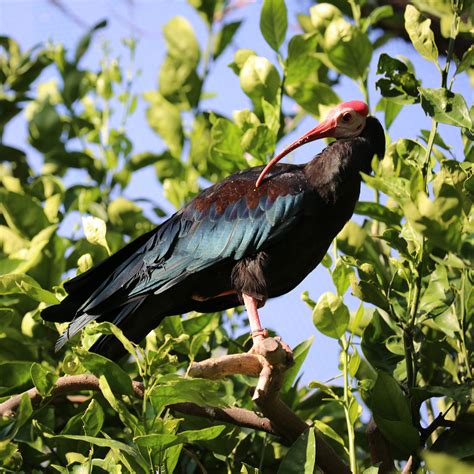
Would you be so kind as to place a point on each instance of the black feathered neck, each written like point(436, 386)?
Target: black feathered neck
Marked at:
point(375, 135)
point(342, 161)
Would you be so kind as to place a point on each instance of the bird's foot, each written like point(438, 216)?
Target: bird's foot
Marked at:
point(263, 345)
point(259, 335)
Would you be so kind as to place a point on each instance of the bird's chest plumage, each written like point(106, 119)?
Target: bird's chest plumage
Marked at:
point(291, 259)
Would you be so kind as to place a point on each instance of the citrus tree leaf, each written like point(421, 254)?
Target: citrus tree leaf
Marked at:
point(445, 106)
point(274, 22)
point(420, 33)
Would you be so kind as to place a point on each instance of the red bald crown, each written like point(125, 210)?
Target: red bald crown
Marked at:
point(357, 105)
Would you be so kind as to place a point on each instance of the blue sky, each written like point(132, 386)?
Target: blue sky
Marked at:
point(30, 22)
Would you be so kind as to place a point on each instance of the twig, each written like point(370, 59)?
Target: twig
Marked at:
point(408, 466)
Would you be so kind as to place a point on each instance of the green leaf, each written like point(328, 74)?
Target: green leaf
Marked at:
point(323, 14)
point(438, 295)
point(378, 14)
point(260, 142)
point(24, 284)
point(166, 440)
point(391, 110)
point(117, 378)
point(461, 393)
point(313, 96)
point(391, 410)
point(93, 418)
point(326, 430)
point(260, 79)
point(6, 317)
point(95, 230)
point(403, 435)
point(205, 8)
point(84, 42)
point(348, 49)
point(441, 463)
point(419, 31)
point(438, 220)
point(378, 212)
point(399, 84)
point(354, 363)
point(181, 41)
point(341, 276)
point(374, 347)
point(14, 377)
point(301, 457)
point(45, 128)
point(165, 119)
point(129, 420)
point(225, 150)
point(301, 62)
point(300, 352)
point(200, 391)
point(274, 22)
point(445, 106)
point(224, 37)
point(240, 58)
point(43, 379)
point(467, 60)
point(102, 442)
point(22, 213)
point(200, 323)
point(16, 159)
point(331, 316)
point(388, 400)
point(23, 414)
point(179, 81)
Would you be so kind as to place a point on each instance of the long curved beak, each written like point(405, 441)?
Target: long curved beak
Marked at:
point(323, 130)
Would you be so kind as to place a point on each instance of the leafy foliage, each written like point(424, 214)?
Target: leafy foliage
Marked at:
point(409, 262)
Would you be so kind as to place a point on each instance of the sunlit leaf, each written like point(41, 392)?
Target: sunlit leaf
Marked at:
point(274, 22)
point(445, 106)
point(43, 379)
point(348, 49)
point(301, 457)
point(331, 316)
point(93, 418)
point(17, 283)
point(225, 37)
point(421, 35)
point(84, 42)
point(102, 442)
point(163, 441)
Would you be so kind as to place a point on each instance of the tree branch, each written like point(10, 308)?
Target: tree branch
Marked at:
point(379, 449)
point(76, 383)
point(269, 362)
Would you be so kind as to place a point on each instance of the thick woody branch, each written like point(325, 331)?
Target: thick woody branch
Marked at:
point(269, 362)
point(75, 383)
point(270, 359)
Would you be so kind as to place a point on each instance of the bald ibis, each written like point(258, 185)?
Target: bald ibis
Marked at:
point(253, 236)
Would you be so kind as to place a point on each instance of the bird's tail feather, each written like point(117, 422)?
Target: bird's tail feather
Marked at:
point(115, 316)
point(135, 330)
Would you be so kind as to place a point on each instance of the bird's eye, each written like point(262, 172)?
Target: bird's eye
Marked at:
point(347, 117)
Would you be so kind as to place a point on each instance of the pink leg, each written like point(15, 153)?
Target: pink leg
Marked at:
point(258, 333)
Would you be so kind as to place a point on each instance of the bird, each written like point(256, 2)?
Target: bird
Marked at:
point(255, 235)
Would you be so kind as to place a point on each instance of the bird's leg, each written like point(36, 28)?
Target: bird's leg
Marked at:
point(258, 333)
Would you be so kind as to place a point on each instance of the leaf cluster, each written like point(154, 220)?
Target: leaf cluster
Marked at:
point(408, 261)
